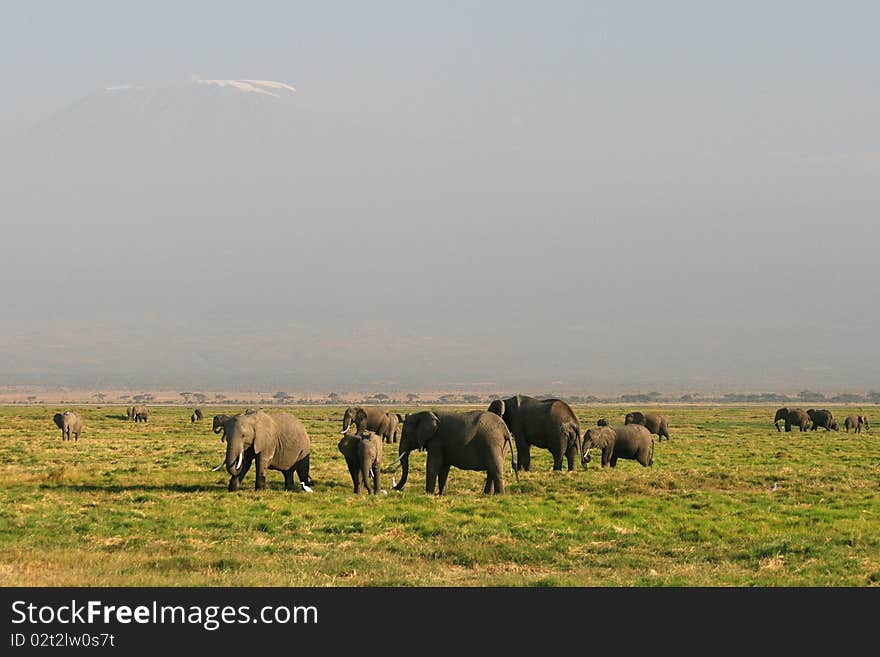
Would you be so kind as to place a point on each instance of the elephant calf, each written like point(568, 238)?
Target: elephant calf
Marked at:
point(70, 424)
point(856, 422)
point(628, 441)
point(363, 455)
point(655, 423)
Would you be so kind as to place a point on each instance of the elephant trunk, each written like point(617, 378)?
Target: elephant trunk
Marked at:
point(404, 474)
point(234, 460)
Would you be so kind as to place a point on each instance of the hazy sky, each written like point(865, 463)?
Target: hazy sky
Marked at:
point(678, 195)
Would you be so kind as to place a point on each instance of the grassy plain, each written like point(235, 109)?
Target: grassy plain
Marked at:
point(137, 505)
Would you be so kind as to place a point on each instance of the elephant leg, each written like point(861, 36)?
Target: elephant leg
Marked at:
point(557, 458)
point(494, 481)
point(375, 471)
point(613, 462)
point(523, 455)
point(606, 456)
point(288, 479)
point(571, 456)
point(432, 470)
point(354, 471)
point(262, 466)
point(245, 466)
point(302, 470)
point(443, 475)
point(233, 483)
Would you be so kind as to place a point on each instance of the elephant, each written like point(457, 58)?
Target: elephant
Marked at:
point(624, 441)
point(469, 440)
point(140, 413)
point(70, 424)
point(274, 442)
point(656, 423)
point(547, 423)
point(129, 413)
point(602, 422)
point(363, 455)
point(372, 418)
point(856, 422)
point(198, 415)
point(192, 418)
point(822, 418)
point(793, 417)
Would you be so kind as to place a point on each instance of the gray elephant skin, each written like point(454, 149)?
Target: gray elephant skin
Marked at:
point(140, 413)
point(822, 418)
point(70, 424)
point(272, 442)
point(363, 456)
point(470, 440)
point(372, 418)
point(129, 413)
point(792, 417)
point(547, 423)
point(656, 423)
point(624, 441)
point(856, 422)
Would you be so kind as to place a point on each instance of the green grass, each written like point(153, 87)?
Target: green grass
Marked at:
point(137, 505)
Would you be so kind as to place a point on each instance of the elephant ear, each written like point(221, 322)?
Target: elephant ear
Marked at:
point(497, 407)
point(360, 416)
point(264, 433)
point(427, 428)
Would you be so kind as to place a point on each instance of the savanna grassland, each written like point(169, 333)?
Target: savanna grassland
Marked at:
point(137, 505)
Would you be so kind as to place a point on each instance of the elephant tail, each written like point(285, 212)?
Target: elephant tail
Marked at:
point(508, 440)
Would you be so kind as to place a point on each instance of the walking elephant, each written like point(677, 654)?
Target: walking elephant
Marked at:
point(140, 413)
point(372, 418)
point(363, 455)
point(70, 424)
point(273, 442)
point(627, 441)
point(656, 423)
point(793, 417)
point(547, 423)
point(822, 418)
point(470, 440)
point(856, 422)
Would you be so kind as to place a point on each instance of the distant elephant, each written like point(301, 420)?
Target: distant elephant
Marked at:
point(822, 418)
point(70, 424)
point(192, 418)
point(656, 423)
point(624, 441)
point(856, 422)
point(470, 440)
point(602, 422)
point(198, 414)
point(278, 442)
point(129, 413)
point(372, 418)
point(141, 413)
point(363, 455)
point(793, 417)
point(547, 423)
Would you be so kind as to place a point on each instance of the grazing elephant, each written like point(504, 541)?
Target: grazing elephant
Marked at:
point(141, 413)
point(471, 440)
point(547, 423)
point(372, 418)
point(822, 418)
point(856, 422)
point(277, 442)
point(656, 423)
point(793, 417)
point(626, 441)
point(70, 424)
point(363, 455)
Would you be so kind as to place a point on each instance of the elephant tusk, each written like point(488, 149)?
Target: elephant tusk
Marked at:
point(395, 461)
point(346, 428)
point(219, 466)
point(239, 460)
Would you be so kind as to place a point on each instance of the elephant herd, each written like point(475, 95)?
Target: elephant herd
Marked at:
point(815, 419)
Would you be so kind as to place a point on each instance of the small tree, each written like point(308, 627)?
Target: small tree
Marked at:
point(199, 397)
point(100, 396)
point(187, 396)
point(471, 398)
point(220, 397)
point(412, 397)
point(282, 397)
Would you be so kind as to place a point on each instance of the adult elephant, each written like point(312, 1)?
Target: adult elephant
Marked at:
point(372, 418)
point(363, 456)
point(141, 413)
point(656, 423)
point(792, 417)
point(822, 418)
point(70, 424)
point(627, 441)
point(547, 423)
point(856, 422)
point(129, 413)
point(273, 442)
point(470, 440)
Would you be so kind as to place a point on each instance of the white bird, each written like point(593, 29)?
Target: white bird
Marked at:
point(306, 488)
point(773, 487)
